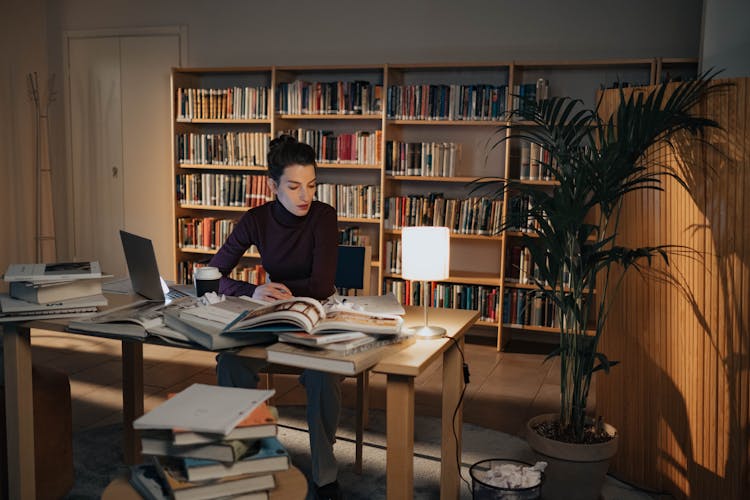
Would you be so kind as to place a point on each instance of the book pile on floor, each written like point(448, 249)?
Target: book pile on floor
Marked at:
point(62, 289)
point(210, 442)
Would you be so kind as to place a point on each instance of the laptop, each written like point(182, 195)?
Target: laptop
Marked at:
point(143, 270)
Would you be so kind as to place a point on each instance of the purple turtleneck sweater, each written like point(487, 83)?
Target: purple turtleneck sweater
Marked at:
point(299, 252)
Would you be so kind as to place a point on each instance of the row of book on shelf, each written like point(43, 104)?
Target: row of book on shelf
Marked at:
point(474, 215)
point(427, 159)
point(480, 101)
point(529, 308)
point(225, 190)
point(447, 102)
point(228, 148)
point(61, 289)
point(484, 299)
point(358, 200)
point(535, 162)
point(520, 216)
point(233, 103)
point(357, 97)
point(210, 442)
point(203, 233)
point(523, 94)
point(359, 148)
point(353, 236)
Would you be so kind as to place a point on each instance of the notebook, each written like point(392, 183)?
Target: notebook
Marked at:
point(144, 272)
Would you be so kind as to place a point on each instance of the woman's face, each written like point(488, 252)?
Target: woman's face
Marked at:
point(296, 188)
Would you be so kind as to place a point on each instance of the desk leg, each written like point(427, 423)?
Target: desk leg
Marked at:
point(399, 465)
point(359, 422)
point(450, 483)
point(132, 399)
point(19, 411)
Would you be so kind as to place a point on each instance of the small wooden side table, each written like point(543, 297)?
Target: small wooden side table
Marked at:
point(290, 485)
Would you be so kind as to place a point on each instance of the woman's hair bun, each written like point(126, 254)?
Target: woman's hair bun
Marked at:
point(286, 150)
point(281, 141)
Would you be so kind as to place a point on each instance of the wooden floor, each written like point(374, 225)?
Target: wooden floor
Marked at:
point(506, 388)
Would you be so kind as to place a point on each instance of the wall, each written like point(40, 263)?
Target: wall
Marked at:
point(241, 32)
point(22, 51)
point(248, 33)
point(680, 396)
point(726, 37)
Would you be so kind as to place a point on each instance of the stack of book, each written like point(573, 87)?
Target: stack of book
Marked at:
point(200, 450)
point(346, 353)
point(60, 289)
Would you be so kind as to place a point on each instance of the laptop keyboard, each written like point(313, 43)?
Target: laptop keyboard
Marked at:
point(175, 294)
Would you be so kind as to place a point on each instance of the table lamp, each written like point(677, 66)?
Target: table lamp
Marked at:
point(425, 256)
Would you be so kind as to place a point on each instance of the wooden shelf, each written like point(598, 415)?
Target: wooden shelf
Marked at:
point(210, 166)
point(427, 178)
point(464, 277)
point(225, 121)
point(214, 208)
point(519, 234)
point(537, 182)
point(529, 286)
point(330, 117)
point(452, 123)
point(359, 220)
point(204, 251)
point(541, 329)
point(493, 324)
point(530, 328)
point(349, 166)
point(458, 236)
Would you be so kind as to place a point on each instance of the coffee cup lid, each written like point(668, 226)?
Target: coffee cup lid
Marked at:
point(207, 273)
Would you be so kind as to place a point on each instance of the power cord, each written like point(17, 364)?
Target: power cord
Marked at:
point(465, 367)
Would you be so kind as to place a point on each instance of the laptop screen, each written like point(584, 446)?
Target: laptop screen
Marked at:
point(141, 260)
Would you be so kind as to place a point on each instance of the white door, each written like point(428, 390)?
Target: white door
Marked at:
point(119, 102)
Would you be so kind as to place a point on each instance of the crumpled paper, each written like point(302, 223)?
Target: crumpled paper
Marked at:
point(209, 298)
point(514, 476)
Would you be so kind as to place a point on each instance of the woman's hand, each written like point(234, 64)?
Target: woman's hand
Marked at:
point(272, 291)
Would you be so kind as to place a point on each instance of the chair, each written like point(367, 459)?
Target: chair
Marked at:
point(353, 270)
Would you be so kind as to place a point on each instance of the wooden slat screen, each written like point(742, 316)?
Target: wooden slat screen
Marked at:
point(680, 396)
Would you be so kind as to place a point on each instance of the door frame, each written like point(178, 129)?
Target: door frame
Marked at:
point(182, 33)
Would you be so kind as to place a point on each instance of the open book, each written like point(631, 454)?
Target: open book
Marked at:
point(243, 314)
point(136, 319)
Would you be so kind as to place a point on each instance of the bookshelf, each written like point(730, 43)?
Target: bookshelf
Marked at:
point(394, 149)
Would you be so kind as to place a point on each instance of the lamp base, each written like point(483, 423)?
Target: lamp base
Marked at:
point(427, 332)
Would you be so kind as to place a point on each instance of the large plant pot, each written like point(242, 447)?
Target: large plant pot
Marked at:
point(575, 471)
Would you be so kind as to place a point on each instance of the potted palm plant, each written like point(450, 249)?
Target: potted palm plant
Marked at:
point(572, 240)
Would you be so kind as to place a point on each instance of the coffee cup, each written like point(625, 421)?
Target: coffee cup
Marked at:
point(206, 280)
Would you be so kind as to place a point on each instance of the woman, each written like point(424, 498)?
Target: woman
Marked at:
point(297, 240)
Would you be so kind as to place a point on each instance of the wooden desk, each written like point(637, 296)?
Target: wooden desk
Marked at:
point(400, 368)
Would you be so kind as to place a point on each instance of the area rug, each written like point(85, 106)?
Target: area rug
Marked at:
point(98, 456)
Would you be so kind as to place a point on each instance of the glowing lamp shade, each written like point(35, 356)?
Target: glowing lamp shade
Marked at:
point(425, 253)
point(425, 256)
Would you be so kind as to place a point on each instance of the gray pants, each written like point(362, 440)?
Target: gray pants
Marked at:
point(323, 407)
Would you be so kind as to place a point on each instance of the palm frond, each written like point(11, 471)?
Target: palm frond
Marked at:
point(596, 162)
